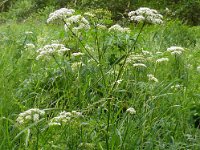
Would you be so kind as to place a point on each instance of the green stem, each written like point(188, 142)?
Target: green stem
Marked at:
point(108, 125)
point(126, 56)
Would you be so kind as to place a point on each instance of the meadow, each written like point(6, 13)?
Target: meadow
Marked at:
point(79, 80)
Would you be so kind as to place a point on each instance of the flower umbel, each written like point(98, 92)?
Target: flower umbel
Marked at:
point(62, 13)
point(175, 50)
point(33, 115)
point(76, 23)
point(146, 14)
point(64, 117)
point(118, 28)
point(51, 49)
point(131, 111)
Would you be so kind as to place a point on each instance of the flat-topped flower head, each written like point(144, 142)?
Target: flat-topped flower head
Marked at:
point(131, 111)
point(62, 13)
point(76, 22)
point(152, 78)
point(64, 117)
point(101, 26)
point(160, 60)
point(77, 54)
point(51, 49)
point(175, 50)
point(89, 14)
point(33, 115)
point(118, 28)
point(29, 46)
point(139, 65)
point(146, 14)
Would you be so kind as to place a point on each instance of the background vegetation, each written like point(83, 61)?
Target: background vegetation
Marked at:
point(187, 11)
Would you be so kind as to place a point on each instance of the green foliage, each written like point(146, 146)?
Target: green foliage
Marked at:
point(190, 12)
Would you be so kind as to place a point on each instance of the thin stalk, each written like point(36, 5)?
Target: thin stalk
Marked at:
point(58, 64)
point(37, 138)
point(99, 55)
point(126, 56)
point(82, 45)
point(126, 132)
point(108, 125)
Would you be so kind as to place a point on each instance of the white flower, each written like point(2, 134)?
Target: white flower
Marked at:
point(89, 14)
point(139, 65)
point(62, 13)
point(176, 87)
point(135, 59)
point(100, 26)
point(131, 111)
point(162, 60)
point(138, 18)
point(159, 53)
point(28, 32)
point(48, 50)
point(118, 28)
point(175, 50)
point(30, 46)
point(64, 117)
point(36, 117)
point(28, 117)
point(76, 65)
point(146, 52)
point(77, 54)
point(54, 124)
point(32, 114)
point(152, 78)
point(86, 146)
point(76, 22)
point(76, 114)
point(146, 14)
point(198, 69)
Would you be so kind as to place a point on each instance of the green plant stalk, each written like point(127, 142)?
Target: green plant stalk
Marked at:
point(126, 133)
point(126, 56)
point(108, 125)
point(58, 64)
point(83, 45)
point(100, 57)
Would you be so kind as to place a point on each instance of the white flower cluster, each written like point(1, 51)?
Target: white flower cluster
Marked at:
point(198, 69)
point(139, 65)
point(152, 78)
point(76, 65)
point(51, 49)
point(118, 28)
point(28, 32)
point(160, 60)
point(146, 53)
point(131, 111)
point(33, 115)
point(146, 14)
point(77, 54)
point(29, 46)
point(76, 22)
point(175, 50)
point(60, 14)
point(177, 87)
point(89, 146)
point(64, 117)
point(134, 58)
point(89, 14)
point(101, 26)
